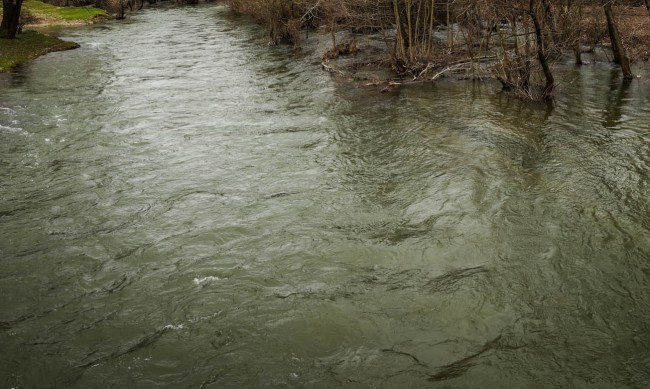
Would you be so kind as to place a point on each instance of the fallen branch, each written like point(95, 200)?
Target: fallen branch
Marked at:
point(426, 69)
point(453, 66)
point(330, 69)
point(449, 69)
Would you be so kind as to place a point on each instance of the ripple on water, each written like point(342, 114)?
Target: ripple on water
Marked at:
point(206, 211)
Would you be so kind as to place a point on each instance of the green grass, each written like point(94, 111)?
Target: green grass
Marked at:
point(31, 44)
point(27, 46)
point(52, 14)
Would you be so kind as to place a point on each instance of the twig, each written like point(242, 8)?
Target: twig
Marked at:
point(310, 12)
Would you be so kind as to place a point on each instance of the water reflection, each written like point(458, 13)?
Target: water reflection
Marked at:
point(616, 98)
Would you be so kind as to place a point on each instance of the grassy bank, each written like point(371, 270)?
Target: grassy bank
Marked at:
point(31, 44)
point(27, 46)
point(36, 12)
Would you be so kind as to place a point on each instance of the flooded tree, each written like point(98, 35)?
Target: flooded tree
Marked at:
point(620, 57)
point(542, 51)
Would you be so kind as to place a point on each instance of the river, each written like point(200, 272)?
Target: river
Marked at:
point(184, 207)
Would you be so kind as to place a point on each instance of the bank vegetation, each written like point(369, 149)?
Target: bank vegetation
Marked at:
point(31, 44)
point(514, 41)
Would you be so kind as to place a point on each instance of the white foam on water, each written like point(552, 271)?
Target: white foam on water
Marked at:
point(12, 130)
point(205, 280)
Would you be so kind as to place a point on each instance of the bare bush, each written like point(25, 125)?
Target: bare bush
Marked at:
point(517, 39)
point(281, 17)
point(117, 8)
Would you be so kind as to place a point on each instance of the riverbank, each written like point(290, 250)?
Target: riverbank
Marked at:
point(39, 14)
point(32, 44)
point(29, 45)
point(421, 41)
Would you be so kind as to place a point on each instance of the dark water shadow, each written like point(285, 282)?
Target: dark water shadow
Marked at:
point(619, 93)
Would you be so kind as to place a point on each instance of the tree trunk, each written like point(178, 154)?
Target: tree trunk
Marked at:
point(10, 18)
point(647, 6)
point(551, 23)
point(577, 53)
point(541, 52)
point(617, 45)
point(577, 50)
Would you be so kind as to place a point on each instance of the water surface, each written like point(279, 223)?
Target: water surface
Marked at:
point(182, 206)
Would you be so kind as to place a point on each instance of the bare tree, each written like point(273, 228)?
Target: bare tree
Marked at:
point(620, 57)
point(542, 50)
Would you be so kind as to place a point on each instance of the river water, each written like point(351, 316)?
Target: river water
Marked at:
point(182, 206)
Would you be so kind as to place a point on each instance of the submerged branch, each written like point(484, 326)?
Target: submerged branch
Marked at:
point(460, 366)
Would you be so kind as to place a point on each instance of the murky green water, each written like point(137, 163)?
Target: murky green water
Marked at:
point(181, 206)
